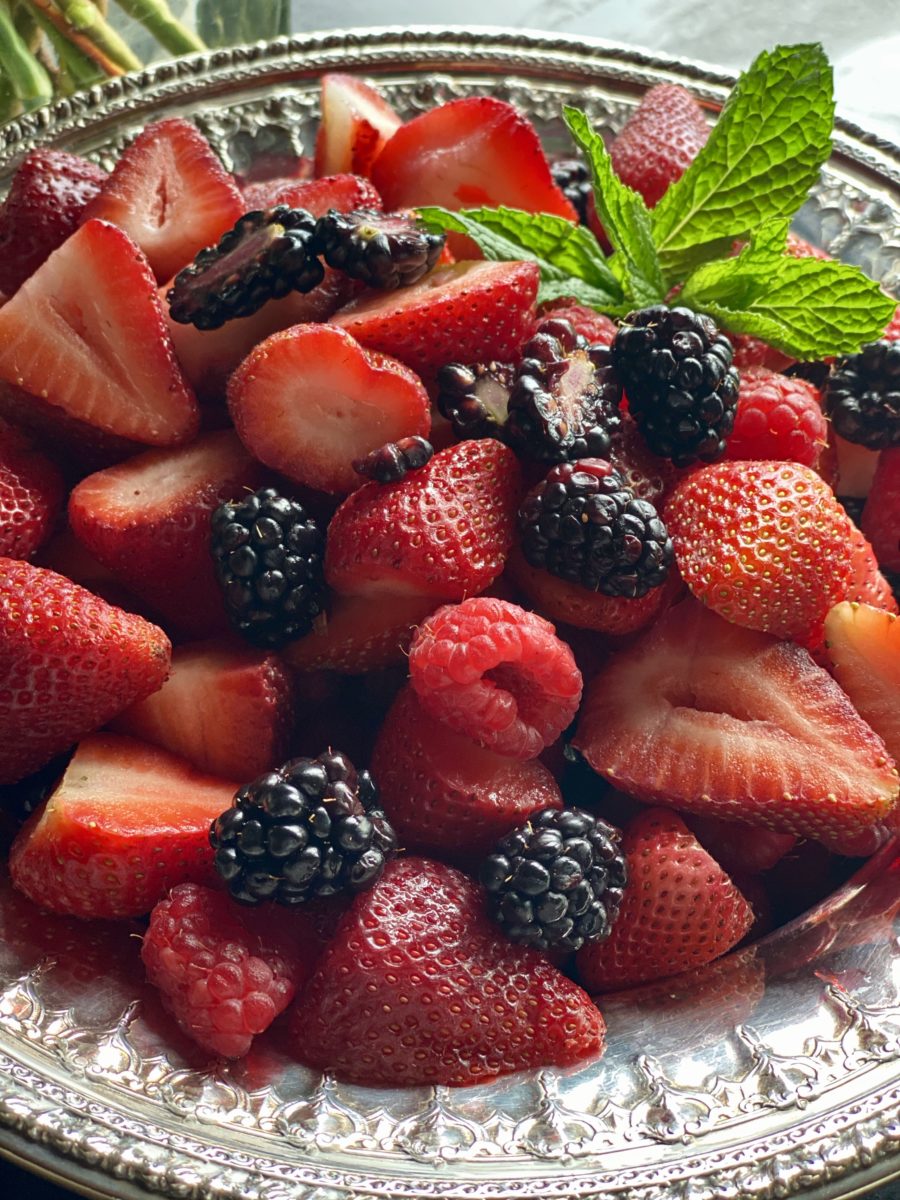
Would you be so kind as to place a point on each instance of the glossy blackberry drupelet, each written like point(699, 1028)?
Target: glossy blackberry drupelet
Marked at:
point(393, 461)
point(311, 828)
point(557, 881)
point(862, 396)
point(384, 250)
point(564, 403)
point(573, 177)
point(264, 256)
point(585, 525)
point(682, 390)
point(268, 555)
point(475, 399)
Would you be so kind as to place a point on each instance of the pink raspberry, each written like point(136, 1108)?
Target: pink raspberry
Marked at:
point(218, 980)
point(754, 352)
point(596, 327)
point(496, 673)
point(779, 418)
point(892, 333)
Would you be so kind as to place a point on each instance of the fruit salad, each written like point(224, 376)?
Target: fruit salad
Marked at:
point(445, 585)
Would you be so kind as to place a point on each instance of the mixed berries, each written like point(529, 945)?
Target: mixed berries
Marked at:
point(410, 535)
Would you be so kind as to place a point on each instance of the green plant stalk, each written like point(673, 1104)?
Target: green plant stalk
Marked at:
point(158, 18)
point(81, 70)
point(29, 81)
point(86, 20)
point(9, 104)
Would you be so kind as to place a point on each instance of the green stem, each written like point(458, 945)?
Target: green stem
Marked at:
point(29, 81)
point(9, 105)
point(81, 70)
point(158, 18)
point(85, 19)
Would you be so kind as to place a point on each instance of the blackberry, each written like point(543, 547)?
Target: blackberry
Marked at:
point(474, 399)
point(395, 460)
point(384, 250)
point(264, 256)
point(557, 881)
point(862, 396)
point(682, 390)
point(312, 827)
point(573, 178)
point(585, 525)
point(564, 403)
point(815, 372)
point(268, 556)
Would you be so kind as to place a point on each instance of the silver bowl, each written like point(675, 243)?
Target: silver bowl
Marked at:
point(773, 1072)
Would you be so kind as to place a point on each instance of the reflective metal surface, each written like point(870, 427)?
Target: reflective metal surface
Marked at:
point(773, 1072)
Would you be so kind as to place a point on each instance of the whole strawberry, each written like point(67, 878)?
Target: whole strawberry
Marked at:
point(881, 515)
point(31, 494)
point(659, 141)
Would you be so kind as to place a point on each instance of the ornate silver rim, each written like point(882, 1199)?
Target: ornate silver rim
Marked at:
point(818, 1116)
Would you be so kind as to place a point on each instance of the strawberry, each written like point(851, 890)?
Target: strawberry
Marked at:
point(725, 721)
point(798, 247)
point(418, 986)
point(310, 401)
point(467, 312)
point(650, 477)
point(68, 663)
point(126, 822)
point(360, 633)
point(778, 417)
point(881, 515)
point(228, 709)
point(31, 495)
point(444, 794)
point(867, 584)
point(469, 152)
point(680, 910)
point(97, 369)
point(170, 194)
point(48, 194)
point(659, 141)
point(445, 530)
point(764, 544)
point(341, 191)
point(740, 849)
point(862, 644)
point(356, 123)
point(147, 520)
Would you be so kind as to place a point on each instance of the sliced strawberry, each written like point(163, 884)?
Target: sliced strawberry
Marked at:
point(680, 910)
point(740, 849)
point(170, 194)
point(659, 141)
point(47, 196)
point(310, 401)
point(227, 709)
point(68, 663)
point(716, 719)
point(360, 633)
point(881, 515)
point(126, 823)
point(474, 151)
point(342, 191)
point(468, 312)
point(445, 530)
point(31, 495)
point(863, 646)
point(85, 341)
point(147, 520)
point(444, 794)
point(356, 123)
point(418, 986)
point(867, 584)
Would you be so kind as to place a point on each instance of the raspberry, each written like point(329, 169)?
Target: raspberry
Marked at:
point(778, 418)
point(754, 352)
point(219, 982)
point(594, 326)
point(497, 673)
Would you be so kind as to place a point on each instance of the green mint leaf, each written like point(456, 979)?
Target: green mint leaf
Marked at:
point(624, 216)
point(807, 307)
point(762, 157)
point(571, 261)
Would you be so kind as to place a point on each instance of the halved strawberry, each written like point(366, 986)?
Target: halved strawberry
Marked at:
point(356, 123)
point(68, 663)
point(47, 196)
point(360, 633)
point(445, 530)
point(343, 191)
point(31, 495)
point(126, 822)
point(444, 794)
point(310, 400)
point(680, 910)
point(473, 151)
point(467, 312)
point(147, 520)
point(228, 709)
point(84, 346)
point(862, 644)
point(716, 719)
point(170, 194)
point(881, 515)
point(418, 986)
